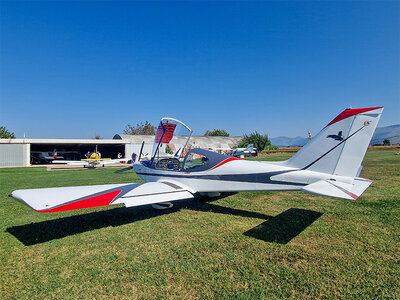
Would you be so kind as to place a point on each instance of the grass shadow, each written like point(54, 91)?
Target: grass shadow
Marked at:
point(285, 226)
point(279, 229)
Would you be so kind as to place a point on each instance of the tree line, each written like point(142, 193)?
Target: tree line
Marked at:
point(260, 141)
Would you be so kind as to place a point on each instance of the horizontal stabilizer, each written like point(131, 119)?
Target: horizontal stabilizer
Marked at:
point(332, 188)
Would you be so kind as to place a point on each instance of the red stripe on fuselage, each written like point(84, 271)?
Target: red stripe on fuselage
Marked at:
point(349, 113)
point(100, 200)
point(225, 161)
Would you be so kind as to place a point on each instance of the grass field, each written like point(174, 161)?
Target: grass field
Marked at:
point(247, 245)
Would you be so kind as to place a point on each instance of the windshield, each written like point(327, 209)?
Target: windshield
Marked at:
point(194, 161)
point(172, 139)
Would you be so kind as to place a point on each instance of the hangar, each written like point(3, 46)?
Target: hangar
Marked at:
point(26, 152)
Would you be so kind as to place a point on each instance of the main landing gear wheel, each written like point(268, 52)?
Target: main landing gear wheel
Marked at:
point(211, 194)
point(162, 206)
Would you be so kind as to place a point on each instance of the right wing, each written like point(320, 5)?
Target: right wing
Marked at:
point(87, 162)
point(70, 198)
point(115, 161)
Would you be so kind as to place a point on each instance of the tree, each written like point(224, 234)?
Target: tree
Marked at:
point(216, 132)
point(258, 140)
point(5, 134)
point(386, 142)
point(168, 150)
point(146, 129)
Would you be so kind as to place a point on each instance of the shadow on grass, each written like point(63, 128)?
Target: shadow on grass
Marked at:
point(285, 226)
point(279, 229)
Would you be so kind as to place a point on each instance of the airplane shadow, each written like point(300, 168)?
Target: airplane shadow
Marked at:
point(285, 226)
point(279, 229)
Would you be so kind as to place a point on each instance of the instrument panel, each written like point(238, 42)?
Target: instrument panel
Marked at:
point(172, 164)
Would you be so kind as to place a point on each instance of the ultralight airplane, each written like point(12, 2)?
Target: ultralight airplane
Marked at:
point(239, 152)
point(325, 166)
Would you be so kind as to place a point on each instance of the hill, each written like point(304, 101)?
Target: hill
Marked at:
point(388, 132)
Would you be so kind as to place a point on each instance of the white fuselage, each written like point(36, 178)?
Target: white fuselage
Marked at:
point(236, 175)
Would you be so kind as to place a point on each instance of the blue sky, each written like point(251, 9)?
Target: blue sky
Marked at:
point(76, 69)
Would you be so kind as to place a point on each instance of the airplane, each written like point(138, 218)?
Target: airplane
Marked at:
point(237, 152)
point(45, 156)
point(324, 166)
point(221, 150)
point(93, 161)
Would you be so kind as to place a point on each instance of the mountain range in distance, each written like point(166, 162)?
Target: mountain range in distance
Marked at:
point(391, 133)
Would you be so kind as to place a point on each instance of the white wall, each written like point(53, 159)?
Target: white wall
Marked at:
point(14, 155)
point(130, 148)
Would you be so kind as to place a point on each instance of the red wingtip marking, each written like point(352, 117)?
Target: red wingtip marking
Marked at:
point(355, 197)
point(351, 112)
point(225, 161)
point(100, 200)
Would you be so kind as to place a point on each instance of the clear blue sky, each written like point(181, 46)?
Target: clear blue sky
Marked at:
point(76, 69)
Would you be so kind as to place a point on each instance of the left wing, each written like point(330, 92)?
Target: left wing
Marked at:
point(70, 198)
point(71, 162)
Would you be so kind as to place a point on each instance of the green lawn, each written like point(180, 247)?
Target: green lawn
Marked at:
point(248, 245)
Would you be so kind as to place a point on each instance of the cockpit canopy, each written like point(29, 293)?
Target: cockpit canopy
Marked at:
point(172, 150)
point(196, 160)
point(171, 131)
point(200, 160)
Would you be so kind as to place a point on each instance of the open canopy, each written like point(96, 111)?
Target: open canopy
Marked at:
point(167, 130)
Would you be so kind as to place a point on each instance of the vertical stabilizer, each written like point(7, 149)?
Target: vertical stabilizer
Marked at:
point(340, 147)
point(250, 148)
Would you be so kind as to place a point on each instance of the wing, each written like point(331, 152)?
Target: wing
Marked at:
point(114, 161)
point(71, 162)
point(70, 198)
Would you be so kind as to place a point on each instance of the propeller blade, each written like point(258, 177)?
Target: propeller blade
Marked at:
point(123, 170)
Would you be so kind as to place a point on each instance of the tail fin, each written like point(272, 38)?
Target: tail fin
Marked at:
point(250, 148)
point(340, 147)
point(178, 153)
